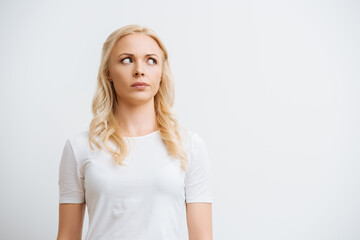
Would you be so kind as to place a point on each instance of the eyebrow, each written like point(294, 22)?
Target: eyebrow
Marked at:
point(130, 54)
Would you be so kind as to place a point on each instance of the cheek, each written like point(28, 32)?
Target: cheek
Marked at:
point(121, 74)
point(156, 74)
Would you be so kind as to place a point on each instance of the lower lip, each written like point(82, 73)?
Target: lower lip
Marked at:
point(140, 86)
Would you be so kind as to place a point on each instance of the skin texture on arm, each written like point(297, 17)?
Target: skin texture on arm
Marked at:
point(199, 221)
point(71, 218)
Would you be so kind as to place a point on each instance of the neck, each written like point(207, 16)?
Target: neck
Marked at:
point(137, 120)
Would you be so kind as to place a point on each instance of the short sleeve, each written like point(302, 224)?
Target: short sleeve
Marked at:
point(198, 187)
point(71, 184)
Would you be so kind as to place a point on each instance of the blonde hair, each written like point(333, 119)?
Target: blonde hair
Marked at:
point(104, 125)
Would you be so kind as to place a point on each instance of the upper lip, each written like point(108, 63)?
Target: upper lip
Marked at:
point(139, 83)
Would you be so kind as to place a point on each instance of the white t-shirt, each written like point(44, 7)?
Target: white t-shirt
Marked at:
point(145, 200)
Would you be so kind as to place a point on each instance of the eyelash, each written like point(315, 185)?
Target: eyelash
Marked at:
point(155, 62)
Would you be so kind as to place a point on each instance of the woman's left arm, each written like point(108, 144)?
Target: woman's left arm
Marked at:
point(199, 221)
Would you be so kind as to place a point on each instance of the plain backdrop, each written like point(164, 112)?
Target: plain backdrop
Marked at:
point(271, 86)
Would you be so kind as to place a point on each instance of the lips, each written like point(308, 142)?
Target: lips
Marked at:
point(139, 84)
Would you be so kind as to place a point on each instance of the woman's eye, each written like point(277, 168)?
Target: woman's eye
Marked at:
point(152, 61)
point(126, 60)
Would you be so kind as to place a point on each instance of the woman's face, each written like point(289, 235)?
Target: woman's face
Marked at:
point(136, 58)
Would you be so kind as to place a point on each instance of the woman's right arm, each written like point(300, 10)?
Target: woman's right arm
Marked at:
point(71, 218)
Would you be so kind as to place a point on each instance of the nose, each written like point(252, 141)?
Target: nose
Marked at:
point(139, 71)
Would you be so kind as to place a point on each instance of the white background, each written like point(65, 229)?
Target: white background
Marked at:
point(271, 86)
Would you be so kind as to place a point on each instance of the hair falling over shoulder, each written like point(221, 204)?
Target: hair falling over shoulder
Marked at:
point(104, 127)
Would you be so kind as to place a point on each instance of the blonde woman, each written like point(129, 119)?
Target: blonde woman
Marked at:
point(140, 174)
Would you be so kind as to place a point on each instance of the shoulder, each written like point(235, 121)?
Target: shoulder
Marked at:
point(198, 154)
point(193, 139)
point(79, 138)
point(79, 142)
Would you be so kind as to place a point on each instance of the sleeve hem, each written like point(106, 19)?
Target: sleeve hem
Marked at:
point(195, 200)
point(71, 200)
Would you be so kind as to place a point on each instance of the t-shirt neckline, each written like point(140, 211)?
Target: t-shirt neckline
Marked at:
point(143, 136)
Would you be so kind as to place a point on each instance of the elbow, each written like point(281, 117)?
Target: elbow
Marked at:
point(201, 238)
point(62, 237)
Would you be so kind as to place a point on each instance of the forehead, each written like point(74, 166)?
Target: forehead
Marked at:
point(137, 43)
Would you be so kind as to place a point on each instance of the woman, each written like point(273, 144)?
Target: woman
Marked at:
point(148, 178)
